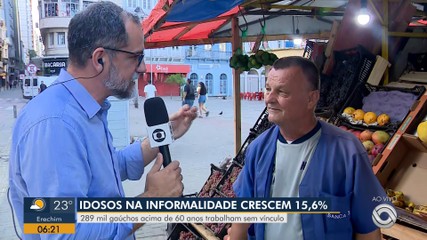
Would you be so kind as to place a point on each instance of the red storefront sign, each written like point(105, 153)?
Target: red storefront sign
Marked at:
point(168, 68)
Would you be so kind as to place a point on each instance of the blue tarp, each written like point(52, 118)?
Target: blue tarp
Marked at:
point(199, 10)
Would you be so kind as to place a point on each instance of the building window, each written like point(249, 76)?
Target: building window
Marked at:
point(209, 83)
point(132, 3)
point(61, 39)
point(51, 8)
point(146, 3)
point(208, 47)
point(223, 84)
point(222, 47)
point(194, 77)
point(51, 39)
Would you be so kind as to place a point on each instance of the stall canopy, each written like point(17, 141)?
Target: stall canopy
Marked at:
point(184, 22)
point(175, 23)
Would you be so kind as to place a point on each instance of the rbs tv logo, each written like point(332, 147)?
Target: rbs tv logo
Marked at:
point(384, 209)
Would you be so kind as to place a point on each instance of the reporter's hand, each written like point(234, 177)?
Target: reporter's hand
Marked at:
point(181, 120)
point(227, 237)
point(166, 182)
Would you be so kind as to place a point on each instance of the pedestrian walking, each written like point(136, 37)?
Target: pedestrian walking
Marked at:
point(188, 96)
point(202, 94)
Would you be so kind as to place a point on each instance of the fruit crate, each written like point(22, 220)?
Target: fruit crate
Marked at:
point(352, 67)
point(394, 101)
point(356, 130)
point(404, 170)
point(225, 186)
point(218, 229)
point(183, 231)
point(214, 178)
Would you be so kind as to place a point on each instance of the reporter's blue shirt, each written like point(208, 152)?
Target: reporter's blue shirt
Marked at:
point(61, 147)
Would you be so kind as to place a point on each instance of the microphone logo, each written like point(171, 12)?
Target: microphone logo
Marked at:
point(159, 135)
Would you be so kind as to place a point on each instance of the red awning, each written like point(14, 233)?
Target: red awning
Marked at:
point(180, 31)
point(168, 68)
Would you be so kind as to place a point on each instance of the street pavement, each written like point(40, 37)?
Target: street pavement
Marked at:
point(209, 140)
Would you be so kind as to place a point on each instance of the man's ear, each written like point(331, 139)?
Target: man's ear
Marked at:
point(98, 60)
point(313, 98)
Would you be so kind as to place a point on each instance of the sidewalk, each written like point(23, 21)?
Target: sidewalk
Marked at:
point(210, 140)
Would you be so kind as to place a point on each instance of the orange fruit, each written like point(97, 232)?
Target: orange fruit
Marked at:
point(349, 110)
point(383, 119)
point(370, 117)
point(358, 114)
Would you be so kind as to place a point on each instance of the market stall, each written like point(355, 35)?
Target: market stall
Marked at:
point(352, 72)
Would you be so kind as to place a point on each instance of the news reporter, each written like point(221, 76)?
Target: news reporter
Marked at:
point(304, 157)
point(69, 119)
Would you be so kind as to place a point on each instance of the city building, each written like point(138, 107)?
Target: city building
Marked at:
point(11, 58)
point(4, 52)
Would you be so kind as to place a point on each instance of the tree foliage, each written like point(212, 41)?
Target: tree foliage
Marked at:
point(175, 79)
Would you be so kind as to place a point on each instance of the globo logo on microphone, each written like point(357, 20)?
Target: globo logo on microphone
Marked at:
point(159, 135)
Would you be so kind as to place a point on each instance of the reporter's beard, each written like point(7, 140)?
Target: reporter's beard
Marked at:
point(119, 87)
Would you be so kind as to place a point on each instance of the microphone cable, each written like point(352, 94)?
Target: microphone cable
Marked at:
point(82, 77)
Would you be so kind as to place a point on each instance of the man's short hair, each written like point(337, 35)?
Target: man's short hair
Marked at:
point(101, 24)
point(309, 68)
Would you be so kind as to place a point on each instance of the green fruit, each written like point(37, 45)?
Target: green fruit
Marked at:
point(265, 58)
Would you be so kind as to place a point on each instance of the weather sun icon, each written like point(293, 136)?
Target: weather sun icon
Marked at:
point(38, 204)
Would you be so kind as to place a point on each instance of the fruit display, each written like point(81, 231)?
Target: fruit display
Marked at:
point(422, 131)
point(184, 235)
point(380, 107)
point(401, 201)
point(359, 116)
point(372, 141)
point(226, 185)
point(209, 188)
point(244, 62)
point(219, 229)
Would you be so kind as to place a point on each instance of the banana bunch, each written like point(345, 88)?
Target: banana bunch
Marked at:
point(399, 200)
point(421, 210)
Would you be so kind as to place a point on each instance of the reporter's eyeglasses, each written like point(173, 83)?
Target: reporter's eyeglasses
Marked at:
point(139, 55)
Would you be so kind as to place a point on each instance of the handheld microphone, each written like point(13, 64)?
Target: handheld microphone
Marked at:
point(159, 129)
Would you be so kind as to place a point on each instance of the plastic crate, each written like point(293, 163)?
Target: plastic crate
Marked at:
point(240, 157)
point(214, 178)
point(259, 127)
point(363, 90)
point(181, 228)
point(352, 66)
point(261, 123)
